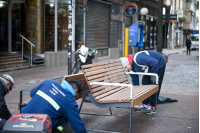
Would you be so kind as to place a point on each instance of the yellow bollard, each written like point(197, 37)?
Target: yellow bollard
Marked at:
point(126, 43)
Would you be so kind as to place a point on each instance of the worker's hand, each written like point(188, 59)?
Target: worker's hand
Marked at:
point(153, 79)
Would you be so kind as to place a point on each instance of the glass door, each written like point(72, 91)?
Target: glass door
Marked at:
point(4, 27)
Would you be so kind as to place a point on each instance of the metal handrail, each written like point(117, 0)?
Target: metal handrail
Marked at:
point(23, 46)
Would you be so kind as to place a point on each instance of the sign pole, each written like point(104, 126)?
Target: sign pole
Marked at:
point(126, 43)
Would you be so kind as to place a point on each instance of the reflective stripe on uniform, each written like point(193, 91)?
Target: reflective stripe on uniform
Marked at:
point(49, 99)
point(144, 67)
point(60, 128)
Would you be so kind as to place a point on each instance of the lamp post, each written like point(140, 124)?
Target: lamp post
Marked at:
point(69, 56)
point(144, 11)
point(160, 27)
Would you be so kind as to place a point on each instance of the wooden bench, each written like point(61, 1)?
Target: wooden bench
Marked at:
point(109, 86)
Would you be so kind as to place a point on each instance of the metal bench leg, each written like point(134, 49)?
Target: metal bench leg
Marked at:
point(20, 99)
point(91, 113)
point(82, 101)
point(130, 120)
point(69, 127)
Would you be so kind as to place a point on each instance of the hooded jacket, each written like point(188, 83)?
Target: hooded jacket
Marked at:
point(4, 112)
point(62, 103)
point(153, 60)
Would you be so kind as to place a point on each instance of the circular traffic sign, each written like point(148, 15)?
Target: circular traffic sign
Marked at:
point(131, 9)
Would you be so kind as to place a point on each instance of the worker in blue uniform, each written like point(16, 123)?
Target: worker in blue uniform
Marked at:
point(57, 100)
point(148, 62)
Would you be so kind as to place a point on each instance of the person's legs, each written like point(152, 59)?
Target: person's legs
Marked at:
point(146, 81)
point(188, 50)
point(60, 125)
point(161, 73)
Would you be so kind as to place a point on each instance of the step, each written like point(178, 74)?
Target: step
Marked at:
point(12, 56)
point(22, 69)
point(14, 64)
point(2, 54)
point(9, 59)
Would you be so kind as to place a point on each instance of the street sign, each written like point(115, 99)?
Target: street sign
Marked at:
point(131, 9)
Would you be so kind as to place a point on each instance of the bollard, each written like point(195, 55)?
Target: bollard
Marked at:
point(69, 57)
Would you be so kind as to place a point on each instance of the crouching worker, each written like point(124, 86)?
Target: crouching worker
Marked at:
point(6, 84)
point(149, 62)
point(57, 100)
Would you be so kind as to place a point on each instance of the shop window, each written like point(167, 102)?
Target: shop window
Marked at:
point(18, 25)
point(62, 26)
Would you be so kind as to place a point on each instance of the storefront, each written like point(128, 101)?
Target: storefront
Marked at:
point(18, 17)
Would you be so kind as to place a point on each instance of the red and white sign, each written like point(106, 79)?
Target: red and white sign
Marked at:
point(180, 13)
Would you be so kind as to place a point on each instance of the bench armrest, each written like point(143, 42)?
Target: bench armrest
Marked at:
point(149, 74)
point(115, 84)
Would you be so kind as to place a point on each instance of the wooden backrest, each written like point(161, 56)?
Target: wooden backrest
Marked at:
point(109, 72)
point(80, 77)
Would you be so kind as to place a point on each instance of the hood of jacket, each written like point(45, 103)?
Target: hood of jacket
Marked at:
point(3, 82)
point(67, 87)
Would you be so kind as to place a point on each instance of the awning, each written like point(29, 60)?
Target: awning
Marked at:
point(171, 21)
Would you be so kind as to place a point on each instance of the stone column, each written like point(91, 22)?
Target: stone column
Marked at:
point(35, 25)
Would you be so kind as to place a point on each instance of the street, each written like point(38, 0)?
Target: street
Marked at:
point(182, 70)
point(181, 82)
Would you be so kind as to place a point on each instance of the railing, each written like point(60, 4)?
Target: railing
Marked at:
point(23, 38)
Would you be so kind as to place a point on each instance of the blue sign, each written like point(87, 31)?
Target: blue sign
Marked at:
point(195, 32)
point(136, 34)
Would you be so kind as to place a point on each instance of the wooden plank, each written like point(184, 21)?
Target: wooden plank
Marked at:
point(95, 68)
point(96, 72)
point(109, 88)
point(93, 65)
point(144, 96)
point(119, 77)
point(110, 92)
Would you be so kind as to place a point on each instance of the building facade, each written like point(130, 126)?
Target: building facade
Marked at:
point(97, 24)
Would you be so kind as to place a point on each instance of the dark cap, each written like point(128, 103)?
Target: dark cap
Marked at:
point(80, 90)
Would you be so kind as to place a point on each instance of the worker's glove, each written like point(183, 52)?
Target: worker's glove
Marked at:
point(153, 79)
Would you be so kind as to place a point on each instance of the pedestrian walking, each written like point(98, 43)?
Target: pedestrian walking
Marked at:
point(57, 100)
point(6, 85)
point(148, 62)
point(188, 44)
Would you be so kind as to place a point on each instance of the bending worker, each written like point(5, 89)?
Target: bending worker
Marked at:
point(57, 100)
point(146, 61)
point(6, 84)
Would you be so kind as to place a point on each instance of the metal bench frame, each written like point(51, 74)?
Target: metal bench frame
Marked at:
point(117, 104)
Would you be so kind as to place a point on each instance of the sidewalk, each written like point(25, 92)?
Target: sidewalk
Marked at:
point(54, 73)
point(177, 117)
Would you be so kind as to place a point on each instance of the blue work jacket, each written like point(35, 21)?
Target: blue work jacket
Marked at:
point(50, 98)
point(153, 60)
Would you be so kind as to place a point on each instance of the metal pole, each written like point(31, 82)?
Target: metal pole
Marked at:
point(56, 27)
point(31, 55)
point(130, 120)
point(20, 99)
point(9, 27)
point(126, 42)
point(69, 56)
point(160, 26)
point(22, 47)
